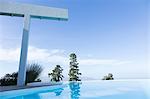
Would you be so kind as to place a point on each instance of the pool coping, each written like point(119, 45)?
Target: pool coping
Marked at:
point(10, 88)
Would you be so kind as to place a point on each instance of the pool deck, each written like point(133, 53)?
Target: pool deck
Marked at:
point(9, 88)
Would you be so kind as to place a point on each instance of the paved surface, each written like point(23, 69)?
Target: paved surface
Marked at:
point(8, 88)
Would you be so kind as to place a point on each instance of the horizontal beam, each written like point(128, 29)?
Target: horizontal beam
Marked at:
point(35, 11)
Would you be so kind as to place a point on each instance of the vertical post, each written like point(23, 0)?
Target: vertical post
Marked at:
point(24, 51)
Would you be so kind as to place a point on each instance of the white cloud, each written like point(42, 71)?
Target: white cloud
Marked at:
point(9, 54)
point(52, 56)
point(96, 61)
point(101, 62)
point(34, 54)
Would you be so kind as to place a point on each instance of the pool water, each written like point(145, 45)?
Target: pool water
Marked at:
point(127, 89)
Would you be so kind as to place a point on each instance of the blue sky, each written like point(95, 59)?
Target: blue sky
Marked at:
point(107, 36)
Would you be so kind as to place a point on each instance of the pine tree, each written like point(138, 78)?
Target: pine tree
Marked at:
point(74, 68)
point(56, 74)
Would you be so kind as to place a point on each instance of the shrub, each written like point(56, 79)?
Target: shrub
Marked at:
point(56, 74)
point(108, 77)
point(32, 73)
point(9, 79)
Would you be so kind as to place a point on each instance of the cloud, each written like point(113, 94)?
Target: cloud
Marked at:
point(9, 54)
point(102, 62)
point(34, 54)
point(45, 55)
point(56, 56)
point(96, 61)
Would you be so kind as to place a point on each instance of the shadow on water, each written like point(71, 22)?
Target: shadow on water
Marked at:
point(74, 90)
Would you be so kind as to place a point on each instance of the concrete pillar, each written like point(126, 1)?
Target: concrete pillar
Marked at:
point(24, 51)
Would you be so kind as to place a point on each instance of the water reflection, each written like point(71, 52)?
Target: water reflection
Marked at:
point(74, 90)
point(58, 92)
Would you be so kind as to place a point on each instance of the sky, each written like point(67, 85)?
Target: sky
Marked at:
point(108, 36)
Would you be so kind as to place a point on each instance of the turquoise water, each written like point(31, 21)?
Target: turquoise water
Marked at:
point(130, 89)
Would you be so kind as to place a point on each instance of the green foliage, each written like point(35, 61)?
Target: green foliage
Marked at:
point(108, 77)
point(56, 74)
point(74, 68)
point(32, 74)
point(9, 79)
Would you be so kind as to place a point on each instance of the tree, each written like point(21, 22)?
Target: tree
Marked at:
point(32, 73)
point(108, 77)
point(56, 74)
point(74, 68)
point(9, 79)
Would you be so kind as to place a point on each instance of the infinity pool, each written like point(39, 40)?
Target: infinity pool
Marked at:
point(127, 89)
